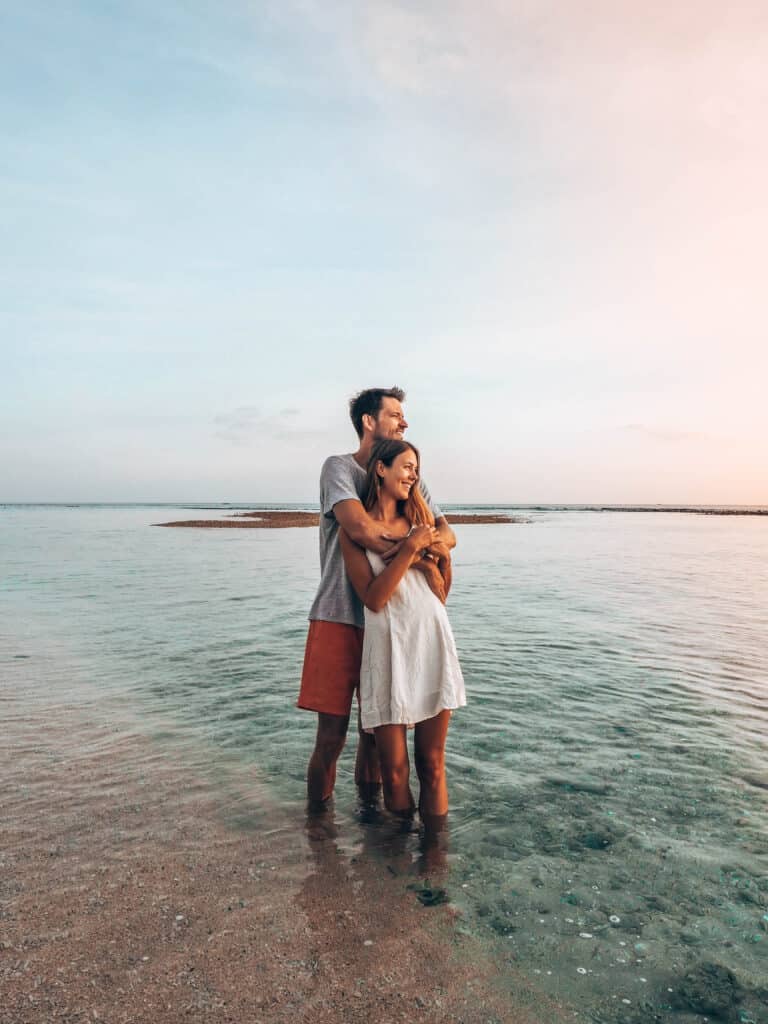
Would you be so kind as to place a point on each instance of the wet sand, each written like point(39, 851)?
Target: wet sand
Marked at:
point(270, 520)
point(134, 889)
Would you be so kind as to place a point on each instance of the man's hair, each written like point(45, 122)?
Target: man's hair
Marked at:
point(368, 403)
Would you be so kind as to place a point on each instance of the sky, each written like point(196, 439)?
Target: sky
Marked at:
point(546, 221)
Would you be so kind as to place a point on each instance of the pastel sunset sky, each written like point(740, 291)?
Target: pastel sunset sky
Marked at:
point(545, 220)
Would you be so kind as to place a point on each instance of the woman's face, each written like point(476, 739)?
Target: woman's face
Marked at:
point(399, 478)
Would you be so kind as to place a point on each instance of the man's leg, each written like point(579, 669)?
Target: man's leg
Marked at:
point(329, 743)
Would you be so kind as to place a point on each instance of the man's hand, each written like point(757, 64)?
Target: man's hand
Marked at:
point(364, 531)
point(395, 543)
point(433, 576)
point(447, 536)
point(439, 551)
point(419, 539)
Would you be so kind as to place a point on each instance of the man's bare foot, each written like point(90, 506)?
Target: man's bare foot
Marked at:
point(316, 808)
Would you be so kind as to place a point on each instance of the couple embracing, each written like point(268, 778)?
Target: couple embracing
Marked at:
point(378, 623)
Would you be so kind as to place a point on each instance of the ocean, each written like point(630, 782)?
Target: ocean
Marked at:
point(609, 789)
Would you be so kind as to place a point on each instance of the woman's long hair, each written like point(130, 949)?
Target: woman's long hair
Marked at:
point(414, 508)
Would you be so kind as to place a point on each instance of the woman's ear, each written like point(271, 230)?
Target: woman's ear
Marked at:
point(379, 472)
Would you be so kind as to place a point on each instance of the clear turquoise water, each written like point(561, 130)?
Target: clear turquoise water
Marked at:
point(609, 786)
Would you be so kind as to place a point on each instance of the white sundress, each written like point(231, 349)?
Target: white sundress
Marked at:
point(410, 669)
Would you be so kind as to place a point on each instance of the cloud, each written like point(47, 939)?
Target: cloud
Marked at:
point(667, 435)
point(249, 423)
point(617, 77)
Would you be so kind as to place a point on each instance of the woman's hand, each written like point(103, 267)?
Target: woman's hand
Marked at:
point(419, 540)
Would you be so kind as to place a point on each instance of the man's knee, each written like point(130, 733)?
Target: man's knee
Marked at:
point(331, 736)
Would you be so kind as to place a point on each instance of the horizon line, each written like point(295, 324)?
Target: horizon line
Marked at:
point(759, 508)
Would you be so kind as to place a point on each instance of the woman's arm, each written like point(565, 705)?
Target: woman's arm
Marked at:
point(375, 591)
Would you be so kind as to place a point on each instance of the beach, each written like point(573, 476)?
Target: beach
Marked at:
point(128, 897)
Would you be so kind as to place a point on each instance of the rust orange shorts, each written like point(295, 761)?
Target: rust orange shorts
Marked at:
point(331, 672)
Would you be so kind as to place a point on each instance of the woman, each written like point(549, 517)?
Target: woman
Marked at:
point(410, 671)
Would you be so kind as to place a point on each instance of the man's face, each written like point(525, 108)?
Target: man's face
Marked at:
point(390, 422)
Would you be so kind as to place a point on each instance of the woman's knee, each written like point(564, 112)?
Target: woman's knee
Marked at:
point(430, 765)
point(395, 775)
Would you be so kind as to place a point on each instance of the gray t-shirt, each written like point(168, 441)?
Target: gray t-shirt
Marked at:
point(341, 479)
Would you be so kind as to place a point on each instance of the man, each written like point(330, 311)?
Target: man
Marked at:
point(331, 672)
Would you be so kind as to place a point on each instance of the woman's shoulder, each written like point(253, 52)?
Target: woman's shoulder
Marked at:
point(399, 528)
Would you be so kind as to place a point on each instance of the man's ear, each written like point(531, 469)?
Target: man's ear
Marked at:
point(369, 422)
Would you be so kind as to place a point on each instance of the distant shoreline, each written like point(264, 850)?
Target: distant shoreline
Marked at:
point(270, 519)
point(456, 512)
point(273, 519)
point(698, 510)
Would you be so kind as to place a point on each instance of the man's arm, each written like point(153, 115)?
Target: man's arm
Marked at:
point(339, 498)
point(375, 591)
point(434, 576)
point(359, 527)
point(447, 536)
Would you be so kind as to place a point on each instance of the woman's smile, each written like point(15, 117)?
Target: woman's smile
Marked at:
point(400, 477)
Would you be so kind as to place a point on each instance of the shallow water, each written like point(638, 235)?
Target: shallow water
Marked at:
point(608, 778)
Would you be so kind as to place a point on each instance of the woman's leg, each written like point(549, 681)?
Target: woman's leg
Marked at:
point(430, 764)
point(395, 768)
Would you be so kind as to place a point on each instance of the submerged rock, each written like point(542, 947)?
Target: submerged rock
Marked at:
point(428, 896)
point(576, 785)
point(758, 781)
point(708, 988)
point(656, 902)
point(498, 914)
point(593, 840)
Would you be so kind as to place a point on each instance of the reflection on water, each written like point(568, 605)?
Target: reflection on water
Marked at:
point(406, 847)
point(608, 781)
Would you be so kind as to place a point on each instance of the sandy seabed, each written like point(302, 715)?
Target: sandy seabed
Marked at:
point(129, 894)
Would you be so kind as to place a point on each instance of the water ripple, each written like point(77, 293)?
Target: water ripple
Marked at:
point(612, 752)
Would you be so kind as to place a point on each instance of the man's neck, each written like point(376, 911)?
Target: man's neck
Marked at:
point(363, 453)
